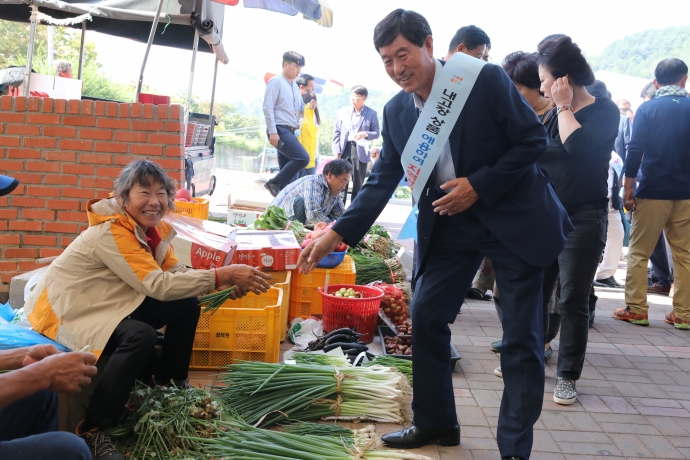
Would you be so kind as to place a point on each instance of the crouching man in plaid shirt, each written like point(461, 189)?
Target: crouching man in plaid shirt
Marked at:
point(314, 199)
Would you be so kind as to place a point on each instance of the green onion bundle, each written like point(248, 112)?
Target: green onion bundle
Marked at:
point(240, 440)
point(168, 422)
point(370, 269)
point(320, 359)
point(264, 394)
point(404, 366)
point(212, 302)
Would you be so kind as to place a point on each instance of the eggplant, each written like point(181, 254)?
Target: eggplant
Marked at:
point(345, 346)
point(341, 338)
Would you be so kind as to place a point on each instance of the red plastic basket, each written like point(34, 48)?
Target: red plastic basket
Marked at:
point(361, 313)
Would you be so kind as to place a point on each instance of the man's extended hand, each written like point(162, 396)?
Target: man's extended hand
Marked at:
point(359, 135)
point(275, 138)
point(36, 353)
point(317, 250)
point(458, 200)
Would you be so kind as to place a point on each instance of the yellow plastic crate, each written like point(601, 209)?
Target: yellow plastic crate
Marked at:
point(198, 209)
point(281, 280)
point(243, 329)
point(305, 299)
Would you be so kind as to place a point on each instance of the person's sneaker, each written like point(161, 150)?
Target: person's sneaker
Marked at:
point(565, 392)
point(496, 346)
point(99, 443)
point(678, 323)
point(624, 314)
point(657, 288)
point(609, 282)
point(497, 372)
point(273, 189)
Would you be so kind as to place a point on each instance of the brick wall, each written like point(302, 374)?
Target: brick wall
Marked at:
point(66, 153)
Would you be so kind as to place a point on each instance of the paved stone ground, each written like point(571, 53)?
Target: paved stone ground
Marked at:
point(633, 395)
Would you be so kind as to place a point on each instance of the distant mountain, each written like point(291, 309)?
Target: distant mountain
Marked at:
point(637, 55)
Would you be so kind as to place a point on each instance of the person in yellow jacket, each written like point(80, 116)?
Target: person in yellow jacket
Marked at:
point(117, 283)
point(309, 127)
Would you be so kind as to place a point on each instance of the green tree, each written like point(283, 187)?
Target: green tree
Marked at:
point(637, 55)
point(325, 137)
point(14, 39)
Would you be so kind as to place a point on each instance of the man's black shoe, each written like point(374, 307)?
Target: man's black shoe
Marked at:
point(476, 294)
point(513, 458)
point(273, 189)
point(413, 437)
point(609, 282)
point(496, 346)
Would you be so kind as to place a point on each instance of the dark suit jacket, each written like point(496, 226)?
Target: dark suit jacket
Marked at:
point(368, 122)
point(495, 144)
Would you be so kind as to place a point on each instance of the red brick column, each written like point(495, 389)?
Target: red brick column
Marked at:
point(66, 153)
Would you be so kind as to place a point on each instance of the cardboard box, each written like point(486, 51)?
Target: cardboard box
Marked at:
point(243, 217)
point(267, 249)
point(53, 86)
point(200, 245)
point(183, 222)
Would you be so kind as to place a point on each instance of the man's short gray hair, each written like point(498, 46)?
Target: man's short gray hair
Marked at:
point(62, 66)
point(142, 173)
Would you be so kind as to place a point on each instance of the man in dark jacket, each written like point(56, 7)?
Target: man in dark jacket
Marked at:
point(485, 196)
point(662, 199)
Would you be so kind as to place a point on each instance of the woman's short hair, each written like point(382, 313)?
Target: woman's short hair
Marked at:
point(411, 25)
point(62, 66)
point(562, 57)
point(142, 173)
point(337, 167)
point(522, 68)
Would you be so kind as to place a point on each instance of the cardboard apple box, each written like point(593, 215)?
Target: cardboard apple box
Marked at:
point(267, 249)
point(200, 249)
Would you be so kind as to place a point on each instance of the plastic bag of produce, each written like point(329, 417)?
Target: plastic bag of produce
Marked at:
point(394, 303)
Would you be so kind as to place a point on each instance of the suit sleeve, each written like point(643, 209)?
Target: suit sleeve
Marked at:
point(375, 131)
point(526, 135)
point(374, 196)
point(637, 145)
point(336, 136)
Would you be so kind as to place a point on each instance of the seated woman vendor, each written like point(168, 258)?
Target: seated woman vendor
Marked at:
point(314, 199)
point(116, 284)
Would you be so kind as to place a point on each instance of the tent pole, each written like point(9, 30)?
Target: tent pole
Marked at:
point(213, 90)
point(191, 74)
point(30, 55)
point(50, 47)
point(81, 50)
point(152, 34)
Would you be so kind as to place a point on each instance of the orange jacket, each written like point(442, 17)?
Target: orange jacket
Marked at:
point(104, 275)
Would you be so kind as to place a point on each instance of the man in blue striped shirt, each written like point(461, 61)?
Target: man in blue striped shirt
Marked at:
point(314, 199)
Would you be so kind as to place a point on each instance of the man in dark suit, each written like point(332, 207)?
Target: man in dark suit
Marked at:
point(354, 125)
point(497, 205)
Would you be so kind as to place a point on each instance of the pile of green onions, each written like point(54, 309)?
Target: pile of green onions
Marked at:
point(168, 422)
point(264, 394)
point(212, 302)
point(243, 441)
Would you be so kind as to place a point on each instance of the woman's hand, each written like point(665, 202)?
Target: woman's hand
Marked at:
point(245, 278)
point(562, 92)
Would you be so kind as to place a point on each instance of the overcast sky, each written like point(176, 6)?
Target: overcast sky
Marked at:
point(255, 39)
